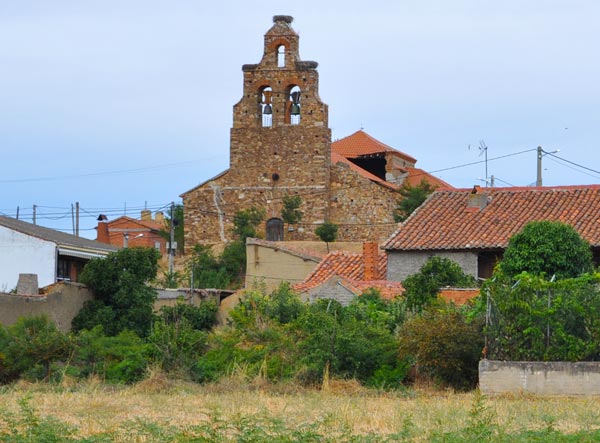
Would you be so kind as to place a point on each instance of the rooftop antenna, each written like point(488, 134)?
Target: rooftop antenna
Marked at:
point(483, 150)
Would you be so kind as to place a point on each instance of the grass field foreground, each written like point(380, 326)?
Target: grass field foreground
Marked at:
point(234, 411)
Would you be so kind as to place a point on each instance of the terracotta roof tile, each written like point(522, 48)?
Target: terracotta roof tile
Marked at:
point(343, 264)
point(445, 221)
point(361, 143)
point(415, 175)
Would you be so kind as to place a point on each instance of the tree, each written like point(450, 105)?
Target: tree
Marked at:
point(246, 221)
point(421, 289)
point(412, 198)
point(290, 212)
point(547, 248)
point(122, 298)
point(327, 232)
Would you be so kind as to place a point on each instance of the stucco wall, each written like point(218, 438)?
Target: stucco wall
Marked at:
point(273, 266)
point(401, 264)
point(542, 378)
point(24, 254)
point(61, 304)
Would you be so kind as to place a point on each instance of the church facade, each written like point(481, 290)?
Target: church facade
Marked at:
point(280, 145)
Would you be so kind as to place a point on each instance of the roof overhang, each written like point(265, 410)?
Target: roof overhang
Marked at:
point(87, 254)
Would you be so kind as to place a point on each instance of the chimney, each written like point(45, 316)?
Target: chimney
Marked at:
point(159, 217)
point(146, 215)
point(371, 261)
point(102, 229)
point(478, 199)
point(28, 284)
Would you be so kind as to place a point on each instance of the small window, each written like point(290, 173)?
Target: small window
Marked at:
point(266, 107)
point(281, 56)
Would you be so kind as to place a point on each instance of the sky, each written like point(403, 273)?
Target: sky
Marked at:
point(122, 105)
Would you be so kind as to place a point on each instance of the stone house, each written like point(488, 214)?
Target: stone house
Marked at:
point(343, 276)
point(129, 232)
point(473, 226)
point(280, 145)
point(52, 255)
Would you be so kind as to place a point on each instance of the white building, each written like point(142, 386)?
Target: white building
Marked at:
point(26, 248)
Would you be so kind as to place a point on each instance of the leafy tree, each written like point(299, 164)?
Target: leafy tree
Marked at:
point(246, 221)
point(547, 248)
point(207, 270)
point(412, 198)
point(444, 346)
point(327, 232)
point(421, 289)
point(122, 298)
point(291, 213)
point(202, 317)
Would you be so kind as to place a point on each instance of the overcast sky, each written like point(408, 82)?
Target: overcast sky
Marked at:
point(122, 104)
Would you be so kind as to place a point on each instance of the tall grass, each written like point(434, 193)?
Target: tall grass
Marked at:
point(166, 411)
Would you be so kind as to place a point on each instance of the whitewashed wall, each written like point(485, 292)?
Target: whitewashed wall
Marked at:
point(23, 254)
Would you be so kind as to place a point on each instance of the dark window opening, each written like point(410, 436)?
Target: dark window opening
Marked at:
point(374, 165)
point(275, 229)
point(275, 176)
point(486, 262)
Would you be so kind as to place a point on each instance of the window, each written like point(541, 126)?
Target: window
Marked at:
point(63, 270)
point(281, 56)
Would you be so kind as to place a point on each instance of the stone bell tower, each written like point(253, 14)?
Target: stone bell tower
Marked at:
point(280, 146)
point(280, 140)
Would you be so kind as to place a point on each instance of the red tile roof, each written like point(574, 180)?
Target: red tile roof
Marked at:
point(387, 289)
point(152, 225)
point(415, 175)
point(343, 264)
point(444, 221)
point(361, 143)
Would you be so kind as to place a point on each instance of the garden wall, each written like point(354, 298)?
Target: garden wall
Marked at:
point(542, 378)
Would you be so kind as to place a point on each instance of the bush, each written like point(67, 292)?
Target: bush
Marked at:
point(202, 317)
point(422, 288)
point(539, 320)
point(123, 358)
point(444, 346)
point(29, 347)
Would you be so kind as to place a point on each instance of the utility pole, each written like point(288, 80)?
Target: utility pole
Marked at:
point(172, 239)
point(540, 154)
point(34, 214)
point(17, 212)
point(77, 219)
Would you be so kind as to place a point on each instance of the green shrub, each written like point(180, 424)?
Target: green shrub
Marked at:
point(176, 345)
point(30, 346)
point(421, 289)
point(444, 346)
point(202, 317)
point(117, 359)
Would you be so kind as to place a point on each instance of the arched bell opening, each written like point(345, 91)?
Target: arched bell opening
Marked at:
point(293, 108)
point(266, 106)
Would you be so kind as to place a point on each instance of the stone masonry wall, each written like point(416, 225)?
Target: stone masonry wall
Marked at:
point(363, 210)
point(541, 378)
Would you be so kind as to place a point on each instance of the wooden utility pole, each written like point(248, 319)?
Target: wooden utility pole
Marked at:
point(172, 240)
point(77, 219)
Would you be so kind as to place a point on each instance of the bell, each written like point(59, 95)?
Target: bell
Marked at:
point(295, 97)
point(295, 109)
point(267, 110)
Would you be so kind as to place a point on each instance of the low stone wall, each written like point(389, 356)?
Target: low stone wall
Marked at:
point(541, 378)
point(61, 303)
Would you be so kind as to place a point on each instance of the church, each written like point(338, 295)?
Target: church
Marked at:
point(280, 145)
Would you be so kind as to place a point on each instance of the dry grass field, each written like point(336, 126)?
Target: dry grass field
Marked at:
point(161, 410)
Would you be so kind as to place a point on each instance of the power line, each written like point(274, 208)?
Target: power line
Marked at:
point(573, 163)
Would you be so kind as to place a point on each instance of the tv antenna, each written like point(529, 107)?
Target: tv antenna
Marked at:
point(483, 149)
